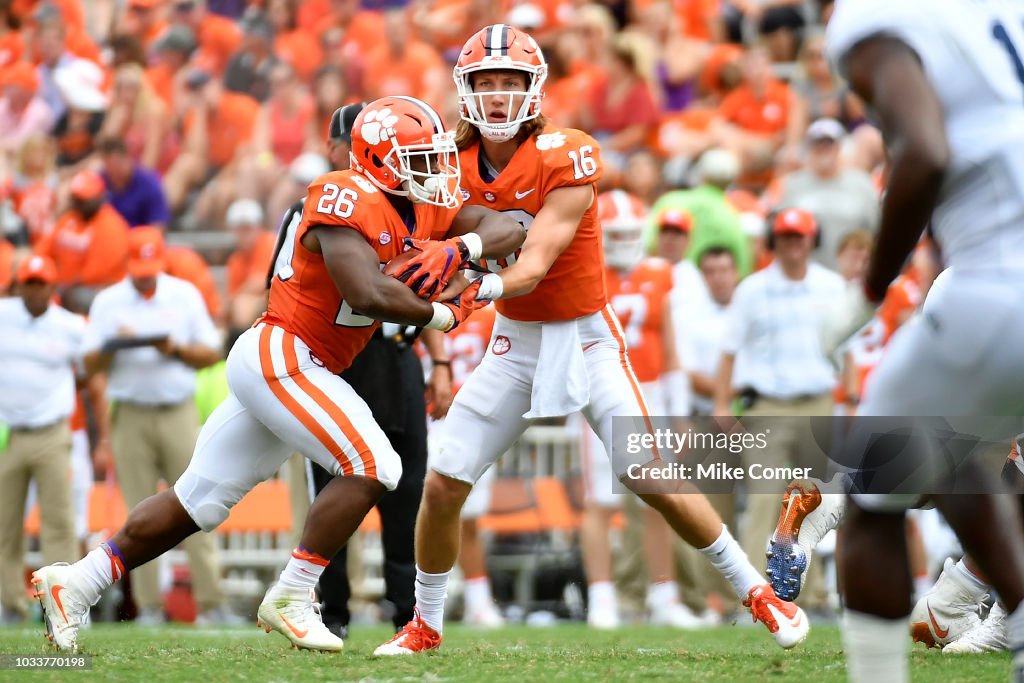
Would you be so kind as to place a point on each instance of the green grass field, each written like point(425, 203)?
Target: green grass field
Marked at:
point(561, 653)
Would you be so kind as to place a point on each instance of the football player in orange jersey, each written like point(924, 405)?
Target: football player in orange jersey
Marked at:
point(638, 289)
point(286, 395)
point(557, 347)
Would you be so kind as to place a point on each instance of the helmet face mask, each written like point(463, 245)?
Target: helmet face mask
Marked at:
point(402, 147)
point(500, 48)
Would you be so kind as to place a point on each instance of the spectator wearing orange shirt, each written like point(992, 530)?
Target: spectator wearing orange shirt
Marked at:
point(217, 125)
point(405, 64)
point(218, 36)
point(144, 19)
point(35, 186)
point(90, 241)
point(11, 44)
point(138, 115)
point(755, 118)
point(173, 51)
point(249, 70)
point(6, 266)
point(292, 43)
point(248, 265)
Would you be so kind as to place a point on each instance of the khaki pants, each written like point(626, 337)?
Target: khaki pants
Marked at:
point(150, 444)
point(43, 455)
point(789, 446)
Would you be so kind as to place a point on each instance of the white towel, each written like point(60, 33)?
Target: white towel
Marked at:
point(560, 383)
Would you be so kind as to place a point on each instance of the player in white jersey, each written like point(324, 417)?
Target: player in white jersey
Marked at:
point(945, 81)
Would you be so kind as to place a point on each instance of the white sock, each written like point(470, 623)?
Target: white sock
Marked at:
point(303, 569)
point(877, 649)
point(662, 594)
point(601, 594)
point(96, 572)
point(922, 584)
point(977, 586)
point(478, 594)
point(731, 562)
point(431, 591)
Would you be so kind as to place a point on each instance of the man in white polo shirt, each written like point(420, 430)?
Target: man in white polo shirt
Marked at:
point(150, 333)
point(773, 357)
point(39, 347)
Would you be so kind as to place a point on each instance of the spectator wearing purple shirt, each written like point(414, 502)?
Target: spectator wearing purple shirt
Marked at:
point(134, 191)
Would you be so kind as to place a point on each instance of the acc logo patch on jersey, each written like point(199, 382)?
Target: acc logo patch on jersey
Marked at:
point(501, 345)
point(465, 194)
point(385, 238)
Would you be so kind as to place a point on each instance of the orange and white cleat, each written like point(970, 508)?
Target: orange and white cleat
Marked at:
point(65, 606)
point(807, 514)
point(292, 613)
point(787, 623)
point(415, 637)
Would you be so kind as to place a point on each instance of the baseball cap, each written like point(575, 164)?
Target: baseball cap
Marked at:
point(86, 185)
point(675, 219)
point(40, 268)
point(342, 120)
point(177, 38)
point(795, 221)
point(244, 212)
point(145, 4)
point(80, 83)
point(145, 251)
point(826, 129)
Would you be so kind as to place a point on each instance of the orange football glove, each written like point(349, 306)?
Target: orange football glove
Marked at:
point(464, 304)
point(428, 272)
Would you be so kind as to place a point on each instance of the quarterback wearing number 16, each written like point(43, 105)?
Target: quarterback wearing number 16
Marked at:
point(325, 304)
point(556, 347)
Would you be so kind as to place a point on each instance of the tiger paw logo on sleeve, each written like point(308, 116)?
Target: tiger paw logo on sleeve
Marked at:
point(550, 141)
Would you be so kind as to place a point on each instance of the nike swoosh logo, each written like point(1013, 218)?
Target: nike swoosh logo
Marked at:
point(520, 195)
point(55, 593)
point(941, 633)
point(297, 632)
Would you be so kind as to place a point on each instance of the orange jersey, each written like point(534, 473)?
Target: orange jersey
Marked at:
point(304, 299)
point(638, 299)
point(467, 344)
point(560, 157)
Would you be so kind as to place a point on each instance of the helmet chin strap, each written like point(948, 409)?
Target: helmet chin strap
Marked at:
point(498, 134)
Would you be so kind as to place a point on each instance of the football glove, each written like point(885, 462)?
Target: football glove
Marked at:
point(427, 272)
point(464, 304)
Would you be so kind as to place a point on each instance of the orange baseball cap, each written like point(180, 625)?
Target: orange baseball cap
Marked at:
point(22, 75)
point(675, 219)
point(795, 221)
point(146, 251)
point(145, 4)
point(37, 268)
point(87, 185)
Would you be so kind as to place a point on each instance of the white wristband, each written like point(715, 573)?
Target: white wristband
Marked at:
point(491, 287)
point(474, 244)
point(444, 318)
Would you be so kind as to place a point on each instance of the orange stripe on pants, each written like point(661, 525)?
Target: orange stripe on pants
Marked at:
point(332, 408)
point(628, 369)
point(293, 406)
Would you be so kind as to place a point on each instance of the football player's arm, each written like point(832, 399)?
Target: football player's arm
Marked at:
point(355, 269)
point(549, 235)
point(888, 75)
point(499, 234)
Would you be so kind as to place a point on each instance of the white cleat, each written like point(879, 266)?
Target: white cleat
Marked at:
point(675, 615)
point(988, 636)
point(948, 611)
point(486, 616)
point(292, 613)
point(603, 619)
point(785, 621)
point(810, 509)
point(65, 605)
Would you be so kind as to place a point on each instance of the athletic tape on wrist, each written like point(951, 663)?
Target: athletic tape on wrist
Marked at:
point(443, 319)
point(474, 244)
point(491, 287)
